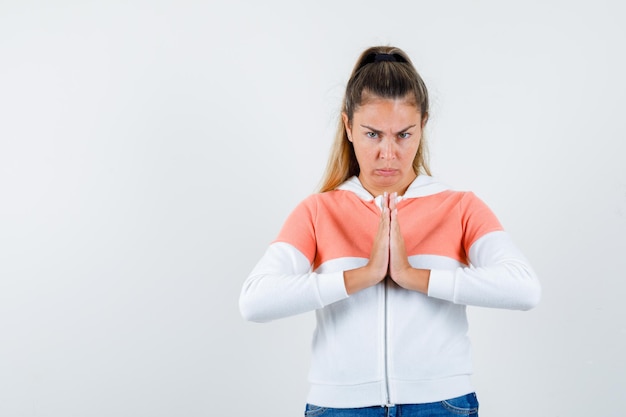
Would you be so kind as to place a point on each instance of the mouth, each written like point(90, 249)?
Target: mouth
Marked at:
point(386, 172)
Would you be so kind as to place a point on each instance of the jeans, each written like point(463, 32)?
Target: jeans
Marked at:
point(466, 405)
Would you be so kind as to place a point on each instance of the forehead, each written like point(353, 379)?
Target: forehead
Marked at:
point(385, 112)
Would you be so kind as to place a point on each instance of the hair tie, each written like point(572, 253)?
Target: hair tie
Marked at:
point(385, 57)
point(381, 57)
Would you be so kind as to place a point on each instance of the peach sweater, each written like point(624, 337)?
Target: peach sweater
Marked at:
point(387, 345)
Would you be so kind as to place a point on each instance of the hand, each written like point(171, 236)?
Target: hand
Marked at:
point(378, 263)
point(377, 267)
point(400, 269)
point(388, 256)
point(399, 266)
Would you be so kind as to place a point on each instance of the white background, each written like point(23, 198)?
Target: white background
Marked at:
point(150, 151)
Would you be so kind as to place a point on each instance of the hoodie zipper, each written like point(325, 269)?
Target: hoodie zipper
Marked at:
point(386, 343)
point(386, 395)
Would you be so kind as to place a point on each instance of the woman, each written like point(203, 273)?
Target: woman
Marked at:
point(389, 258)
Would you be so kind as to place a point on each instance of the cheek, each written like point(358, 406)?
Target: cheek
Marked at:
point(415, 146)
point(361, 149)
point(408, 152)
point(365, 154)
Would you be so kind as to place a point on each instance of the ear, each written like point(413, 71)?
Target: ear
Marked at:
point(346, 125)
point(424, 120)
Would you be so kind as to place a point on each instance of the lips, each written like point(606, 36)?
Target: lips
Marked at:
point(386, 172)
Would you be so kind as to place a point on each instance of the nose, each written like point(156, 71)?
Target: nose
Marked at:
point(387, 149)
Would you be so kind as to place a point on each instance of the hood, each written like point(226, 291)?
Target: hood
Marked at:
point(422, 186)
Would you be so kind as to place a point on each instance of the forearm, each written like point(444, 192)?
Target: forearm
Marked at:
point(267, 297)
point(413, 279)
point(499, 278)
point(361, 278)
point(282, 285)
point(504, 286)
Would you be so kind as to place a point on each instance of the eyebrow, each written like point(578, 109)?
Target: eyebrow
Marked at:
point(380, 131)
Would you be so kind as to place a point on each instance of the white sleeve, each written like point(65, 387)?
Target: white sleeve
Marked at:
point(499, 277)
point(282, 284)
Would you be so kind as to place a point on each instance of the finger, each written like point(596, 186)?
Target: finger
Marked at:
point(393, 199)
point(379, 257)
point(384, 203)
point(396, 239)
point(384, 215)
point(393, 208)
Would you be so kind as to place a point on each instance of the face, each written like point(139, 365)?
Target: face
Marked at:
point(386, 134)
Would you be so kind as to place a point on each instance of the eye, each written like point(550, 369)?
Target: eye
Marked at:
point(404, 135)
point(371, 135)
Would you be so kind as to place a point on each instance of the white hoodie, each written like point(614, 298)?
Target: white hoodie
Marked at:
point(385, 344)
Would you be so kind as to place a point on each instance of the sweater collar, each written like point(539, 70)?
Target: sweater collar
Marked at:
point(423, 185)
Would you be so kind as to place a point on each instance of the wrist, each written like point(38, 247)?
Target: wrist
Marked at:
point(360, 278)
point(413, 279)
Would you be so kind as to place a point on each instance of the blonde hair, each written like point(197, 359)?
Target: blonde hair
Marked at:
point(380, 71)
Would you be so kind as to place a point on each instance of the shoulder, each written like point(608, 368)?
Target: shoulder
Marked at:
point(470, 202)
point(321, 198)
point(330, 197)
point(316, 202)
